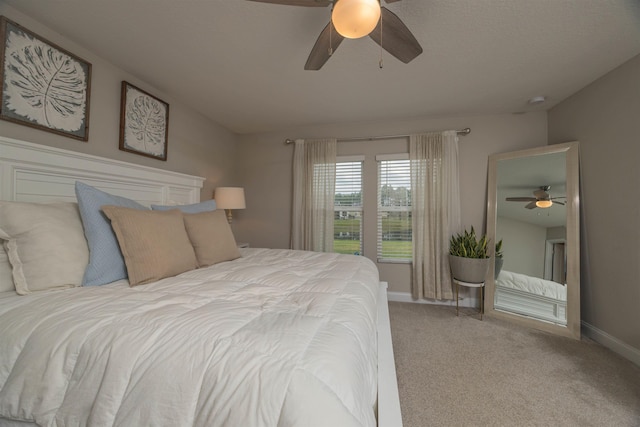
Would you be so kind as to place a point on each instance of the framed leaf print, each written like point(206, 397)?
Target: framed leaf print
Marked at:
point(144, 123)
point(43, 85)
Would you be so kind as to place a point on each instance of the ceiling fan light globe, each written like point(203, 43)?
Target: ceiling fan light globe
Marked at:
point(355, 18)
point(544, 204)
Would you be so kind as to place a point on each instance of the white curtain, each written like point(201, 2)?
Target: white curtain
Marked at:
point(435, 204)
point(314, 183)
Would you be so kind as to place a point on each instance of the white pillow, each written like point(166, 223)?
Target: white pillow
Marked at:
point(6, 279)
point(45, 243)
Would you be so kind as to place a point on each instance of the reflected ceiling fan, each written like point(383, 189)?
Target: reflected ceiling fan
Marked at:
point(542, 199)
point(355, 19)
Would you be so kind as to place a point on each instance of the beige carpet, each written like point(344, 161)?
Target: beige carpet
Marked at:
point(460, 371)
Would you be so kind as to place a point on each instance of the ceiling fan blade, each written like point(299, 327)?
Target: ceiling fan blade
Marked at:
point(531, 205)
point(558, 203)
point(309, 3)
point(521, 199)
point(390, 1)
point(329, 39)
point(396, 37)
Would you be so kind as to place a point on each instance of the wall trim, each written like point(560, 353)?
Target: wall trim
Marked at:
point(406, 297)
point(611, 342)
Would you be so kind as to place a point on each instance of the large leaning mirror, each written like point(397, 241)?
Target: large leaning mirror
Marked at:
point(533, 204)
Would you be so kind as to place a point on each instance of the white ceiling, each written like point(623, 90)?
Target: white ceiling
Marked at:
point(520, 177)
point(240, 63)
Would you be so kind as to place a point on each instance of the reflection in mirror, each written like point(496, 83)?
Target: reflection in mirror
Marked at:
point(533, 202)
point(531, 222)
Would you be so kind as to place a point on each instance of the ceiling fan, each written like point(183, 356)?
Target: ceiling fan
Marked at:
point(542, 199)
point(355, 19)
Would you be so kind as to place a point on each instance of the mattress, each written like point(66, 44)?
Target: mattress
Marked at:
point(533, 285)
point(275, 338)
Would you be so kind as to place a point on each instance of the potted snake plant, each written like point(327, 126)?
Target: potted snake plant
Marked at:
point(499, 259)
point(468, 257)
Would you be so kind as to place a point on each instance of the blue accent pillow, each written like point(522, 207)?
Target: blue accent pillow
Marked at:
point(207, 206)
point(106, 264)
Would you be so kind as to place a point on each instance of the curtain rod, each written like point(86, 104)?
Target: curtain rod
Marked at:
point(463, 132)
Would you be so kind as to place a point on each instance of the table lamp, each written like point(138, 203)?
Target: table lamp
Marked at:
point(229, 198)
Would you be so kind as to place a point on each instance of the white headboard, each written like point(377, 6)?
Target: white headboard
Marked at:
point(38, 173)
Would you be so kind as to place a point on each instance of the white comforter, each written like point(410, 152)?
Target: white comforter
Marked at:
point(276, 338)
point(534, 285)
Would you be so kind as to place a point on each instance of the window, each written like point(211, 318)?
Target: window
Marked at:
point(347, 223)
point(394, 209)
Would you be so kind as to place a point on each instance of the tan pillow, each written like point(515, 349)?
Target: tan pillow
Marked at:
point(154, 244)
point(45, 244)
point(211, 237)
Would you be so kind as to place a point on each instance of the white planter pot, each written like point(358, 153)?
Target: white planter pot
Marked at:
point(471, 270)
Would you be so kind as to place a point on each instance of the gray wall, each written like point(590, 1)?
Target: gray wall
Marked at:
point(603, 117)
point(265, 168)
point(197, 146)
point(526, 243)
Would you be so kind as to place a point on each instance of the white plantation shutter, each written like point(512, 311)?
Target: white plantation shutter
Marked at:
point(394, 209)
point(347, 226)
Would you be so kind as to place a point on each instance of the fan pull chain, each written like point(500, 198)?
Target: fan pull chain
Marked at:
point(381, 63)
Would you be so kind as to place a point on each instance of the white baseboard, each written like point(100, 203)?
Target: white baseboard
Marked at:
point(406, 297)
point(612, 343)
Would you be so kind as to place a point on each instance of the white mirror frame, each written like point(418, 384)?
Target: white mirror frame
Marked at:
point(572, 329)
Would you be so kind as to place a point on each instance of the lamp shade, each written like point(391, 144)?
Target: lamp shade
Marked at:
point(230, 198)
point(355, 18)
point(544, 204)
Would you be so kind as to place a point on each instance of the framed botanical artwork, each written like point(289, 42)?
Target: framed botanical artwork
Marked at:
point(144, 123)
point(43, 85)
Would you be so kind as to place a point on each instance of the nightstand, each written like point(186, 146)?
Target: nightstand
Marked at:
point(470, 285)
point(242, 245)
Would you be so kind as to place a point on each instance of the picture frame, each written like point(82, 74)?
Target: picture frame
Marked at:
point(42, 85)
point(144, 123)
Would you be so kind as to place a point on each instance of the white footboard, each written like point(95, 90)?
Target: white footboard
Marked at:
point(529, 304)
point(389, 413)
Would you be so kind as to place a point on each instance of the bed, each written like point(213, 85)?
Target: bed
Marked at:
point(274, 337)
point(531, 296)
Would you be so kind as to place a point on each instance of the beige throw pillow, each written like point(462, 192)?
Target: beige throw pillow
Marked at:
point(154, 244)
point(45, 244)
point(211, 237)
